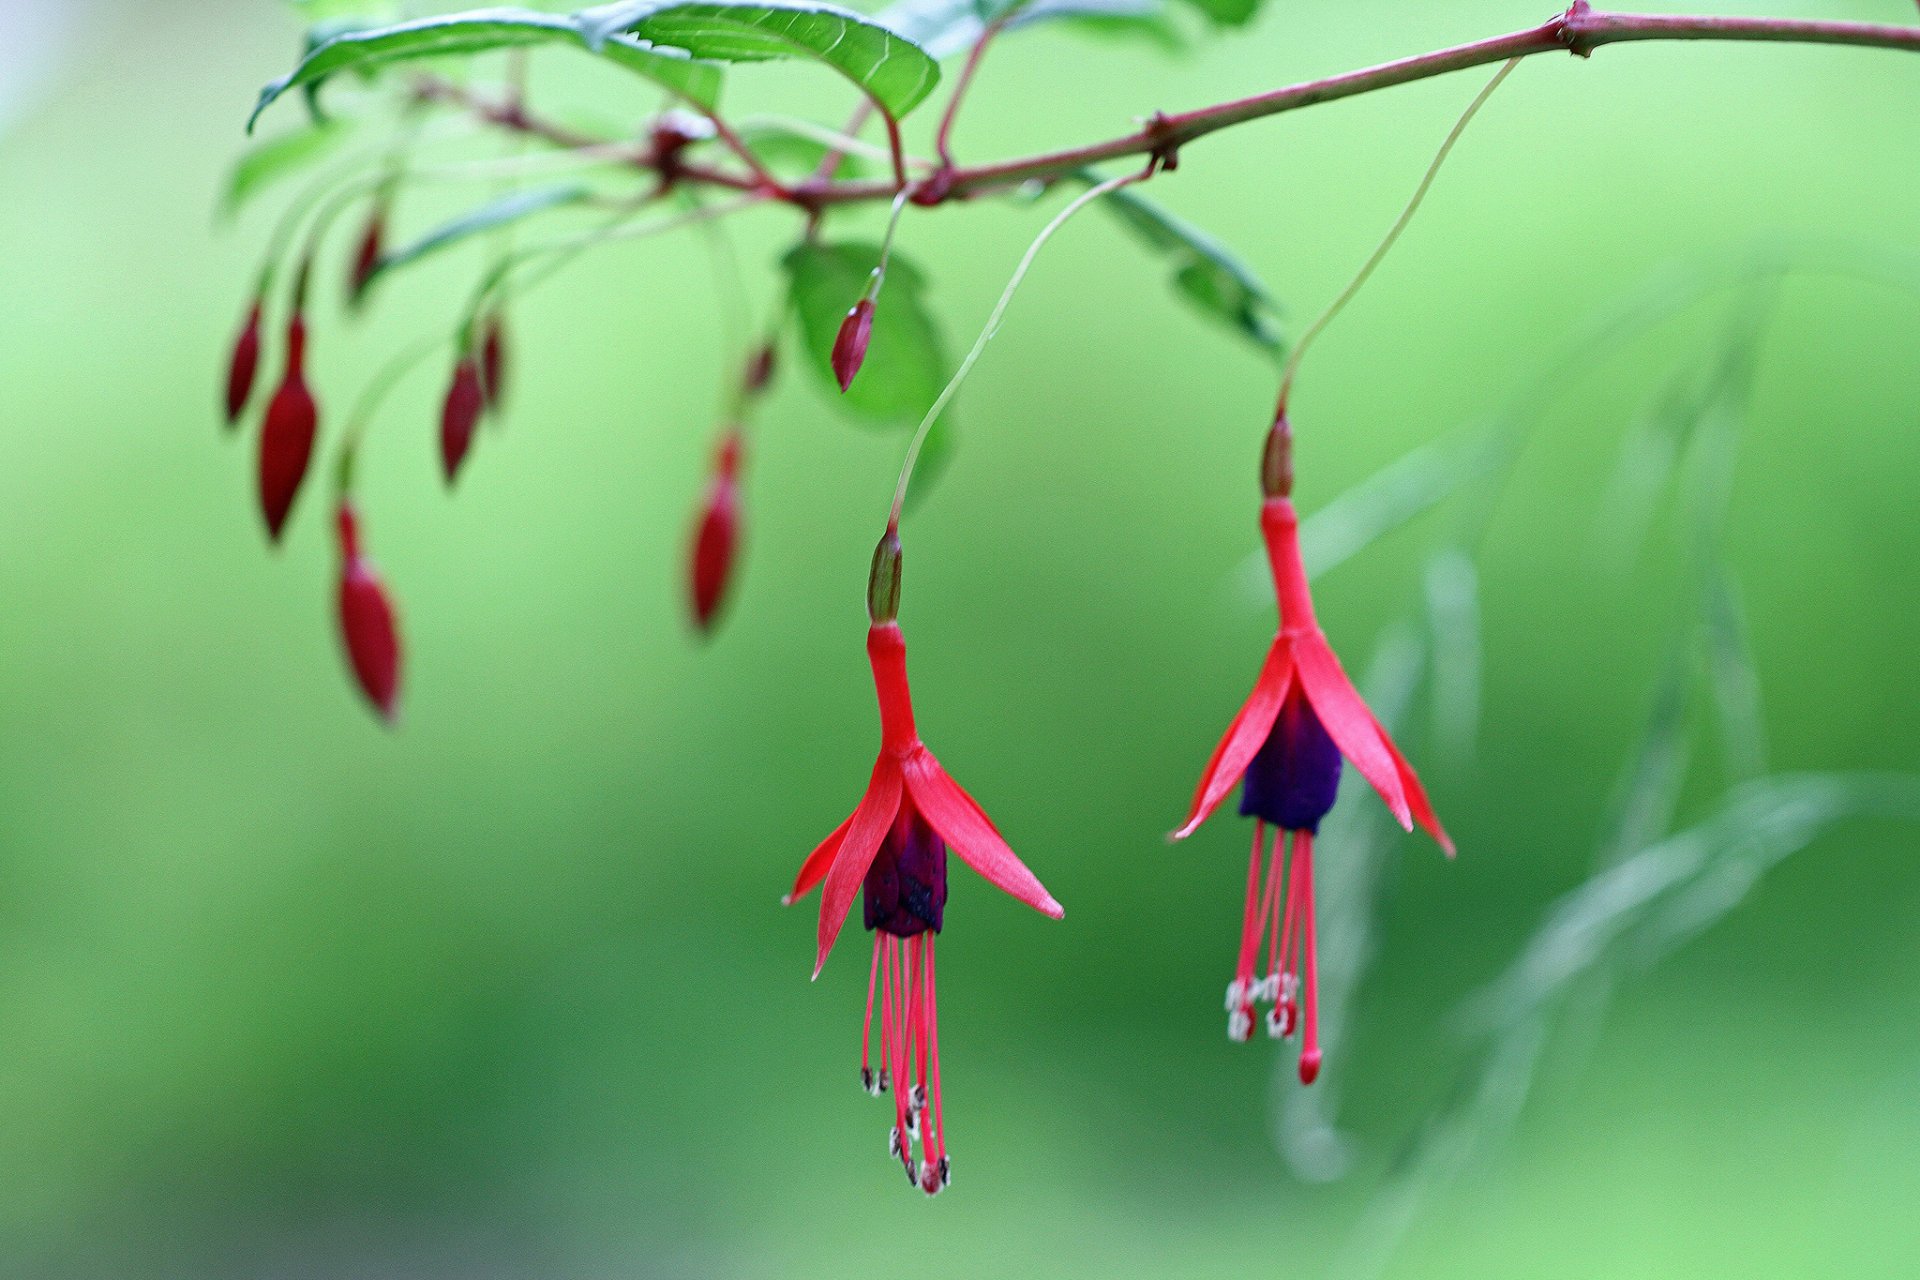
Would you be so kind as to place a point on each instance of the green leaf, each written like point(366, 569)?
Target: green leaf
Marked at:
point(792, 153)
point(483, 30)
point(488, 217)
point(889, 68)
point(946, 27)
point(906, 366)
point(1206, 272)
point(275, 159)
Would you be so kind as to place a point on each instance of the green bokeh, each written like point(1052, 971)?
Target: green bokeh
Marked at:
point(509, 994)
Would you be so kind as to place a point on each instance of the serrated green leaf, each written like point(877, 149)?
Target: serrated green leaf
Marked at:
point(1206, 273)
point(483, 30)
point(277, 158)
point(889, 68)
point(906, 367)
point(491, 216)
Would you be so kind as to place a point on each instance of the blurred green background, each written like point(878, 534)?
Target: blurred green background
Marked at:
point(508, 994)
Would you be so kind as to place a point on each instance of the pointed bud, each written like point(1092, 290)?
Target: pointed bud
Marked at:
point(286, 438)
point(850, 347)
point(716, 537)
point(883, 580)
point(367, 625)
point(493, 363)
point(459, 415)
point(760, 368)
point(245, 364)
point(366, 259)
point(1276, 461)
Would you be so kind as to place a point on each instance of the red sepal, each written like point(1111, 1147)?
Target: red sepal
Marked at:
point(850, 344)
point(818, 863)
point(1348, 721)
point(1243, 738)
point(959, 821)
point(865, 830)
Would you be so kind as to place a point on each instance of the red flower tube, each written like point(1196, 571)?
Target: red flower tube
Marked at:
point(286, 438)
point(366, 258)
point(716, 536)
point(893, 852)
point(368, 628)
point(493, 363)
point(1284, 750)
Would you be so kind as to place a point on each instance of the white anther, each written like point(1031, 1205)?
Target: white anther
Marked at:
point(893, 1143)
point(1236, 994)
point(1266, 990)
point(1276, 1025)
point(1239, 1026)
point(917, 1099)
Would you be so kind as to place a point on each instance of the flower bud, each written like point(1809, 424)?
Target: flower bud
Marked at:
point(493, 363)
point(286, 438)
point(245, 364)
point(366, 259)
point(459, 415)
point(1276, 461)
point(760, 367)
point(716, 536)
point(883, 581)
point(367, 625)
point(850, 347)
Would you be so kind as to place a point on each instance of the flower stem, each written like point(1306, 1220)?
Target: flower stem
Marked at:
point(1060, 220)
point(1393, 235)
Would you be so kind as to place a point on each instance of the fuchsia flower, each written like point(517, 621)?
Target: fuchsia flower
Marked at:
point(850, 344)
point(1284, 750)
point(460, 415)
point(893, 851)
point(286, 438)
point(367, 624)
point(245, 364)
point(716, 537)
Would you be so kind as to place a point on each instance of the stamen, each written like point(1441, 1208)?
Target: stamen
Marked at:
point(933, 1056)
point(1240, 1025)
point(866, 1027)
point(1310, 1055)
point(1249, 930)
point(1290, 933)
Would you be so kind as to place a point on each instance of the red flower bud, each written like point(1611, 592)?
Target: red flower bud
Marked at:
point(286, 440)
point(367, 624)
point(850, 347)
point(245, 364)
point(716, 537)
point(459, 416)
point(760, 367)
point(493, 363)
point(366, 259)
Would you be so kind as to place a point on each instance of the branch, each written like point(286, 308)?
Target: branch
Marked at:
point(1580, 30)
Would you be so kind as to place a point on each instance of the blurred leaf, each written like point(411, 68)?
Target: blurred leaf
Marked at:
point(479, 32)
point(319, 11)
point(947, 27)
point(1227, 13)
point(889, 68)
point(494, 214)
point(1453, 615)
point(906, 366)
point(277, 158)
point(1206, 272)
point(794, 153)
point(1736, 683)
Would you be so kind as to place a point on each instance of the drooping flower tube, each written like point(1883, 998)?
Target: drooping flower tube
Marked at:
point(244, 365)
point(893, 852)
point(286, 435)
point(1284, 750)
